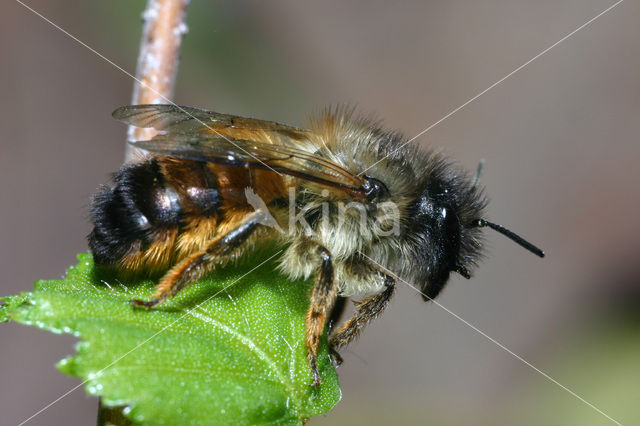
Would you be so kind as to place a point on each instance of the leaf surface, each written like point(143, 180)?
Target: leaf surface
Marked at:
point(228, 349)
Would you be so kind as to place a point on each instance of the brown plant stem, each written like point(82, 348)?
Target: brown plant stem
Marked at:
point(111, 416)
point(162, 33)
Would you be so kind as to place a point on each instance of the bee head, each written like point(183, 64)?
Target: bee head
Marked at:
point(445, 223)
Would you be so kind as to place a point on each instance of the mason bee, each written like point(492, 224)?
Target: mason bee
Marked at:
point(353, 205)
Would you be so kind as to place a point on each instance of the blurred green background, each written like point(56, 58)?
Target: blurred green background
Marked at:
point(560, 140)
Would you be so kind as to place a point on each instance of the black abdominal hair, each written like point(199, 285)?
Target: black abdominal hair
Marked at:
point(125, 215)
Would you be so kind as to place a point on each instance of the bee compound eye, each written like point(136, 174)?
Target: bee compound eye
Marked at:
point(375, 188)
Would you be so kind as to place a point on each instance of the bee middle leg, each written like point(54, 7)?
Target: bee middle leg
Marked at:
point(366, 310)
point(323, 297)
point(337, 311)
point(334, 318)
point(193, 267)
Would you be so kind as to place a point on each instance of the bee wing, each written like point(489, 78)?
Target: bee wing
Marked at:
point(255, 154)
point(174, 119)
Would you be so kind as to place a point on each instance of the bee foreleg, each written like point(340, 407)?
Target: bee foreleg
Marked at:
point(366, 310)
point(323, 296)
point(192, 268)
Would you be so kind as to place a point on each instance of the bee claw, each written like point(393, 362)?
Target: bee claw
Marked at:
point(336, 358)
point(135, 303)
point(316, 379)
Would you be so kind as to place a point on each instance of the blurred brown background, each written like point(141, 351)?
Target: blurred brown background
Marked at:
point(560, 140)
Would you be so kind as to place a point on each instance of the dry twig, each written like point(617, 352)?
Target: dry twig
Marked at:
point(164, 28)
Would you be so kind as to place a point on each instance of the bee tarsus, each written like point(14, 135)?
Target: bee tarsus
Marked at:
point(136, 303)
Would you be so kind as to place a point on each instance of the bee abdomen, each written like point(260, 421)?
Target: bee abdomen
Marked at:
point(128, 214)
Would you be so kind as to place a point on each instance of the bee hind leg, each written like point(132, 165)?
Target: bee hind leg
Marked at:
point(366, 310)
point(323, 297)
point(195, 266)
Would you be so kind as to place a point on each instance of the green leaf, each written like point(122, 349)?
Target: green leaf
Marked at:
point(228, 349)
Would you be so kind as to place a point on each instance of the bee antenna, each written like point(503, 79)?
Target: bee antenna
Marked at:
point(476, 178)
point(481, 223)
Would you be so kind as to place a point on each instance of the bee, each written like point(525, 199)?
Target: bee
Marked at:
point(355, 206)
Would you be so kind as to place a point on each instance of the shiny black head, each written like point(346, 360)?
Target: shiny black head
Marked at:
point(445, 226)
